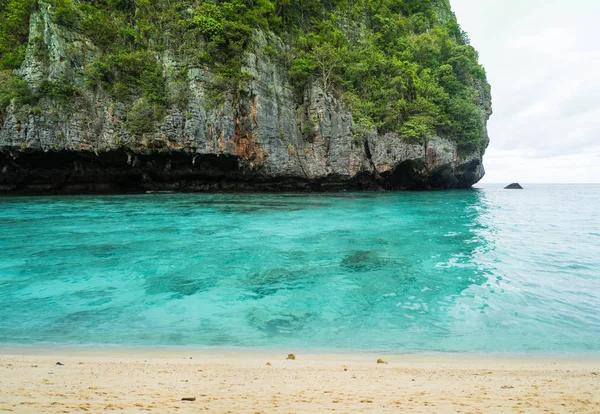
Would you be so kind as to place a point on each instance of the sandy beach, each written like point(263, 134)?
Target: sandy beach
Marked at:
point(265, 382)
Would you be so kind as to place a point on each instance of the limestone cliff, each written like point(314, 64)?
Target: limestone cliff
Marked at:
point(253, 139)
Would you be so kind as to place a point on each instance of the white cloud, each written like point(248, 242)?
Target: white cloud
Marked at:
point(519, 166)
point(543, 62)
point(553, 41)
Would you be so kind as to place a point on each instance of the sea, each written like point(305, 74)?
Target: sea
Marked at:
point(479, 270)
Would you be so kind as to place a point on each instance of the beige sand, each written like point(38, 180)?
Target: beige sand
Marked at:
point(227, 381)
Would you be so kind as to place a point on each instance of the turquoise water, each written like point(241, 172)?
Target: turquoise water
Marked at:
point(477, 270)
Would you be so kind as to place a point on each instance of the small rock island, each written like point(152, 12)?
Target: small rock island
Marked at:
point(513, 186)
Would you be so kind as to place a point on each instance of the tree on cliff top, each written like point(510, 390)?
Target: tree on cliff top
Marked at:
point(400, 65)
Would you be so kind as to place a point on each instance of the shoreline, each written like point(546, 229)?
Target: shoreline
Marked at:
point(174, 351)
point(142, 380)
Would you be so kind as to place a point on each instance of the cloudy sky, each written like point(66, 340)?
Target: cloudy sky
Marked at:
point(542, 58)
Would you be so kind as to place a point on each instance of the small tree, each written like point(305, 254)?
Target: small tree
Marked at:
point(328, 61)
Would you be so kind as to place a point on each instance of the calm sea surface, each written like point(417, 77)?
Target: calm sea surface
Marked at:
point(479, 270)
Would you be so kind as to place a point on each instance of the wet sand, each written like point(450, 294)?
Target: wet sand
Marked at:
point(243, 382)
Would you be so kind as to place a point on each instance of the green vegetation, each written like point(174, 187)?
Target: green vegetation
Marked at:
point(14, 30)
point(400, 65)
point(13, 89)
point(128, 74)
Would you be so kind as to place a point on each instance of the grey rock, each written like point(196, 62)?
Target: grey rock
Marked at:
point(252, 140)
point(513, 186)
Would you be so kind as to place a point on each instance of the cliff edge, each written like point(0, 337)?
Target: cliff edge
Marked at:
point(79, 116)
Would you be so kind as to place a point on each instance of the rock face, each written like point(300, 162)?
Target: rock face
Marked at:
point(253, 140)
point(513, 186)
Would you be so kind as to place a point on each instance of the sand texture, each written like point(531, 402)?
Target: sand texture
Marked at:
point(245, 383)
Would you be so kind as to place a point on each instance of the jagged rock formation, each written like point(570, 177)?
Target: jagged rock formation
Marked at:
point(252, 140)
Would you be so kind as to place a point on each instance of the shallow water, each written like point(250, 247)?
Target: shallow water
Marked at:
point(477, 270)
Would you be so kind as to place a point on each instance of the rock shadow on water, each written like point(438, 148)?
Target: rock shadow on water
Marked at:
point(103, 251)
point(95, 297)
point(75, 326)
point(362, 261)
point(271, 281)
point(274, 324)
point(221, 229)
point(177, 284)
point(95, 293)
point(244, 206)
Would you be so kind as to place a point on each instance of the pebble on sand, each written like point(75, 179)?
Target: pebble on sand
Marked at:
point(188, 399)
point(291, 356)
point(381, 361)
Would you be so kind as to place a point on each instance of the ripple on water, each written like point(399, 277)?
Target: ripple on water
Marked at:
point(270, 281)
point(362, 261)
point(479, 270)
point(178, 284)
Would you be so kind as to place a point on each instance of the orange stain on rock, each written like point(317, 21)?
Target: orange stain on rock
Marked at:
point(253, 111)
point(245, 146)
point(209, 135)
point(432, 159)
point(222, 142)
